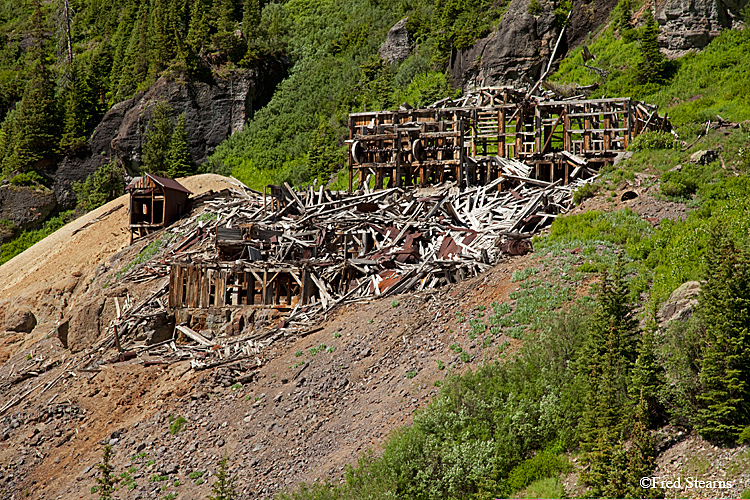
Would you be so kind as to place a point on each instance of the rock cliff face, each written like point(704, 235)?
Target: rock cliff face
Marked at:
point(213, 111)
point(397, 46)
point(25, 206)
point(520, 48)
point(691, 24)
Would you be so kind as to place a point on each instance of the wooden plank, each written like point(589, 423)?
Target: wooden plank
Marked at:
point(192, 334)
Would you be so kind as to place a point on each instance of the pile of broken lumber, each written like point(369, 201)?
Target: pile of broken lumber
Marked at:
point(356, 246)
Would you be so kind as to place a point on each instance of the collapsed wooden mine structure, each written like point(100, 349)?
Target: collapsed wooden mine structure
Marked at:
point(224, 284)
point(468, 142)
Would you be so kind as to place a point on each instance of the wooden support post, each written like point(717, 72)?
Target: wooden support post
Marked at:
point(519, 133)
point(351, 160)
point(398, 158)
point(264, 295)
point(587, 129)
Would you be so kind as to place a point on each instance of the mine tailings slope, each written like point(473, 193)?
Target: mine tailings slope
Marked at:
point(317, 403)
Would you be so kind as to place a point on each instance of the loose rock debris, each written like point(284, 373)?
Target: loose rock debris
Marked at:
point(272, 265)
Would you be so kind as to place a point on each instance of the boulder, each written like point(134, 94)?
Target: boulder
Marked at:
point(20, 320)
point(397, 45)
point(83, 328)
point(704, 157)
point(681, 302)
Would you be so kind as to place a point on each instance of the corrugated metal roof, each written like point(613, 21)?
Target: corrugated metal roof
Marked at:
point(169, 183)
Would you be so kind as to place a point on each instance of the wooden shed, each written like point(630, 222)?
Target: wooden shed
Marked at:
point(154, 203)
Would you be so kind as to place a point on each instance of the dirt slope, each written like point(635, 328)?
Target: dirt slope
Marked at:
point(46, 277)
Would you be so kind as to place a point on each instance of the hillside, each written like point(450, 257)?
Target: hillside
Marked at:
point(616, 350)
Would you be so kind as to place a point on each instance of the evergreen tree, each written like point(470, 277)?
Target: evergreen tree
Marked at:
point(324, 156)
point(250, 19)
point(724, 311)
point(157, 139)
point(648, 376)
point(179, 160)
point(104, 185)
point(135, 66)
point(107, 480)
point(161, 36)
point(81, 111)
point(225, 40)
point(606, 359)
point(640, 458)
point(36, 132)
point(652, 68)
point(223, 488)
point(200, 27)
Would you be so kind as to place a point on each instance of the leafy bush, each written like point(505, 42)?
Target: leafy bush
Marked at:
point(649, 141)
point(585, 192)
point(679, 184)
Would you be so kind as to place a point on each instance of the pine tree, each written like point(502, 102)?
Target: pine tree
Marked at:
point(648, 376)
point(157, 138)
point(640, 458)
point(607, 357)
point(81, 111)
point(179, 160)
point(250, 19)
point(724, 311)
point(652, 67)
point(223, 488)
point(36, 119)
point(107, 480)
point(135, 66)
point(200, 27)
point(160, 36)
point(225, 40)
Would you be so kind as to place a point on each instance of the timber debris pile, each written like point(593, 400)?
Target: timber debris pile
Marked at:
point(246, 268)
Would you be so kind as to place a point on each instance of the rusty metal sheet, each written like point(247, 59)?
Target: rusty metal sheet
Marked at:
point(516, 247)
point(448, 248)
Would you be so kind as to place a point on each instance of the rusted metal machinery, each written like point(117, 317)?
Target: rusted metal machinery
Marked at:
point(467, 141)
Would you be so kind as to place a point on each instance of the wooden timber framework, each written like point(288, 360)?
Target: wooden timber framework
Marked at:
point(560, 139)
point(224, 284)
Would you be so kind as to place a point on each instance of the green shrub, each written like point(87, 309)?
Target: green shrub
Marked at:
point(584, 192)
point(535, 8)
point(649, 141)
point(26, 179)
point(543, 465)
point(176, 424)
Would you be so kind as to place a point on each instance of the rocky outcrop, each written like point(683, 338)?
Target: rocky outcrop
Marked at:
point(24, 206)
point(681, 302)
point(213, 110)
point(83, 328)
point(520, 48)
point(397, 46)
point(691, 24)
